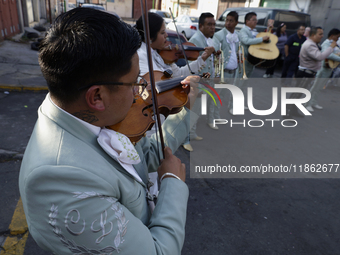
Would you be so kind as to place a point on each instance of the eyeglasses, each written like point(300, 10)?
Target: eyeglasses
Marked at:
point(138, 88)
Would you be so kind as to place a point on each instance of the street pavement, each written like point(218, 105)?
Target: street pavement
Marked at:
point(225, 215)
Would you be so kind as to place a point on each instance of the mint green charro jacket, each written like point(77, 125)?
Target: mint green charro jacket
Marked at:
point(79, 200)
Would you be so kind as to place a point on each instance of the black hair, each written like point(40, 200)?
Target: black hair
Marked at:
point(155, 25)
point(85, 46)
point(203, 16)
point(313, 31)
point(333, 31)
point(234, 15)
point(248, 16)
point(278, 31)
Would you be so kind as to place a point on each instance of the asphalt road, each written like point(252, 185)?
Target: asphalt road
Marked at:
point(225, 216)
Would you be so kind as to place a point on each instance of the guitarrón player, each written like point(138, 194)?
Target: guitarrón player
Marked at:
point(248, 37)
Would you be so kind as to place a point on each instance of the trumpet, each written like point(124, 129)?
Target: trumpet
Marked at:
point(242, 61)
point(219, 65)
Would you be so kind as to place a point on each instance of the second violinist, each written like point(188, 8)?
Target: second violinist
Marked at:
point(158, 38)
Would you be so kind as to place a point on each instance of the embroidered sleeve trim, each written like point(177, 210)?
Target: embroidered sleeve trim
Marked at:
point(81, 249)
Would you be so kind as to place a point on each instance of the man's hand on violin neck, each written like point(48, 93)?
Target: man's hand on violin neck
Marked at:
point(171, 164)
point(192, 81)
point(207, 52)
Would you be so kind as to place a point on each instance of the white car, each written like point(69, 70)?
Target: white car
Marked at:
point(187, 25)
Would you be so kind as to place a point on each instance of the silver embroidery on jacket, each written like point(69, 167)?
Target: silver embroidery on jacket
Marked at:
point(102, 224)
point(74, 222)
point(80, 249)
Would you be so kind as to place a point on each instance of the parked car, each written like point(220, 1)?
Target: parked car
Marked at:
point(172, 37)
point(187, 25)
point(292, 19)
point(165, 15)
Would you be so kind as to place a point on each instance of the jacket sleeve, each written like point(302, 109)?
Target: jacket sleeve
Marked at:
point(332, 56)
point(184, 70)
point(68, 217)
point(218, 38)
point(314, 52)
point(175, 129)
point(246, 40)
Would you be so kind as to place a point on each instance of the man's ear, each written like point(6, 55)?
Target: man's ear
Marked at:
point(94, 98)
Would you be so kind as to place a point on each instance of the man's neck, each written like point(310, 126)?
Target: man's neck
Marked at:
point(78, 111)
point(313, 40)
point(231, 30)
point(251, 28)
point(204, 34)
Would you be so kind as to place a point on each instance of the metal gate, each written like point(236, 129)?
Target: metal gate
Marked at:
point(9, 21)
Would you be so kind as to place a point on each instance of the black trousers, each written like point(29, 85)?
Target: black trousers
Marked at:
point(271, 70)
point(290, 65)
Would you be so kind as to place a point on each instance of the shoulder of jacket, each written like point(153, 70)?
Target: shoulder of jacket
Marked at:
point(219, 34)
point(193, 37)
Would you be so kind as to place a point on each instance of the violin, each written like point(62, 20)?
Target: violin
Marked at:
point(171, 99)
point(172, 52)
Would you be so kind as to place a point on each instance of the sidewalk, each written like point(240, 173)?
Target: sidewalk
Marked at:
point(19, 67)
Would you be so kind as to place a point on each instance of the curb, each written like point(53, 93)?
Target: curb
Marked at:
point(22, 88)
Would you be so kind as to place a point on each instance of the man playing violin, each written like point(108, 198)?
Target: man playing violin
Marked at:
point(158, 38)
point(248, 37)
point(84, 187)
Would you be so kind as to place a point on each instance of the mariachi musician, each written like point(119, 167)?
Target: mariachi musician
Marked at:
point(325, 72)
point(83, 186)
point(203, 38)
point(247, 38)
point(158, 38)
point(228, 38)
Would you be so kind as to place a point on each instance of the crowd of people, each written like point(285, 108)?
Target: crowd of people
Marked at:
point(302, 55)
point(85, 188)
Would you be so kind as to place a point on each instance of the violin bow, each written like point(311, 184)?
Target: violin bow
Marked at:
point(145, 18)
point(180, 41)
